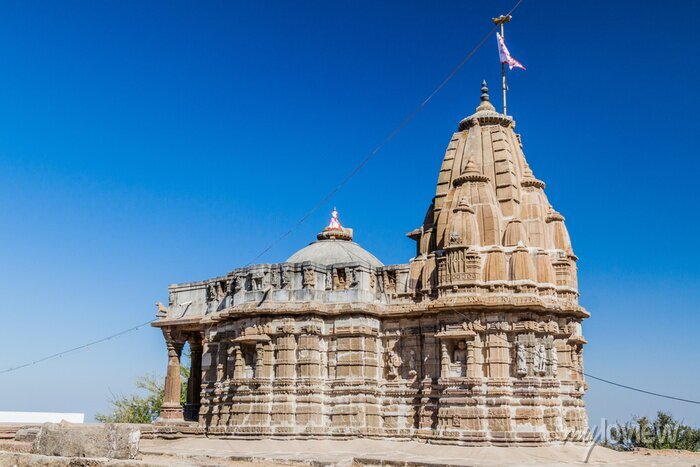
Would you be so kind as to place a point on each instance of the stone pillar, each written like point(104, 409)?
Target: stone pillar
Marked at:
point(498, 355)
point(471, 360)
point(238, 362)
point(171, 410)
point(259, 361)
point(444, 361)
point(286, 356)
point(222, 360)
point(309, 356)
point(232, 353)
point(194, 384)
point(478, 368)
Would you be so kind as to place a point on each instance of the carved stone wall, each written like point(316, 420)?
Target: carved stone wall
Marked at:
point(468, 377)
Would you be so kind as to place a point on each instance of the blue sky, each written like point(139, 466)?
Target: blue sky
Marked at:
point(143, 144)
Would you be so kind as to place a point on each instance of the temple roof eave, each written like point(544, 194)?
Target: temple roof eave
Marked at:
point(485, 118)
point(193, 322)
point(464, 303)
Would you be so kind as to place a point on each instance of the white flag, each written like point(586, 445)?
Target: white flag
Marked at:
point(505, 55)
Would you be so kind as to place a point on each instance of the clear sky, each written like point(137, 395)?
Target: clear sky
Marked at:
point(147, 143)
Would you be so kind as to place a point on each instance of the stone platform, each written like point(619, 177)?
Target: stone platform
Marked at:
point(357, 452)
point(366, 452)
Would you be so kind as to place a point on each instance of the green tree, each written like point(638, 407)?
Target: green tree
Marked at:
point(144, 407)
point(664, 432)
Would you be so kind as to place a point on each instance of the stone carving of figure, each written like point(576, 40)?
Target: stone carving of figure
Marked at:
point(259, 360)
point(219, 291)
point(393, 362)
point(309, 277)
point(554, 360)
point(353, 277)
point(460, 353)
point(391, 282)
point(412, 363)
point(537, 359)
point(211, 292)
point(329, 280)
point(521, 360)
point(459, 359)
point(540, 359)
point(249, 356)
point(288, 327)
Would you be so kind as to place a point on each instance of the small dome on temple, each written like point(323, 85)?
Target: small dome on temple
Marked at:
point(334, 246)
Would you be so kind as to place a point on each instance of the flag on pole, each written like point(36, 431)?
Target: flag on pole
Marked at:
point(505, 55)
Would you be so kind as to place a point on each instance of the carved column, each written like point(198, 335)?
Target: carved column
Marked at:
point(498, 359)
point(259, 361)
point(309, 355)
point(477, 370)
point(444, 361)
point(239, 364)
point(171, 410)
point(286, 356)
point(232, 354)
point(471, 360)
point(194, 383)
point(222, 360)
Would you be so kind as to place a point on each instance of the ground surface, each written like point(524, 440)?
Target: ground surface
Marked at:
point(351, 453)
point(375, 452)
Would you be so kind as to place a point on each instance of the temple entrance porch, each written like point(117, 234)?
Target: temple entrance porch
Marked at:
point(173, 410)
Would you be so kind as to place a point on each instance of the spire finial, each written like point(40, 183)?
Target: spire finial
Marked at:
point(485, 103)
point(334, 222)
point(335, 231)
point(484, 91)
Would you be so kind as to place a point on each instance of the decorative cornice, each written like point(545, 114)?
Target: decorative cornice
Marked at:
point(533, 182)
point(485, 117)
point(485, 113)
point(335, 234)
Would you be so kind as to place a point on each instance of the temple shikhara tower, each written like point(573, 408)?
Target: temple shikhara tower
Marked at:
point(476, 340)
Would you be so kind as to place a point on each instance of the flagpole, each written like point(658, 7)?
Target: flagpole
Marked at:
point(501, 21)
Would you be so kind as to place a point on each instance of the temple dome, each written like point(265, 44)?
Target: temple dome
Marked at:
point(328, 252)
point(334, 246)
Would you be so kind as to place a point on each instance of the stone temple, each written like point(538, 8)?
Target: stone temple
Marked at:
point(476, 340)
